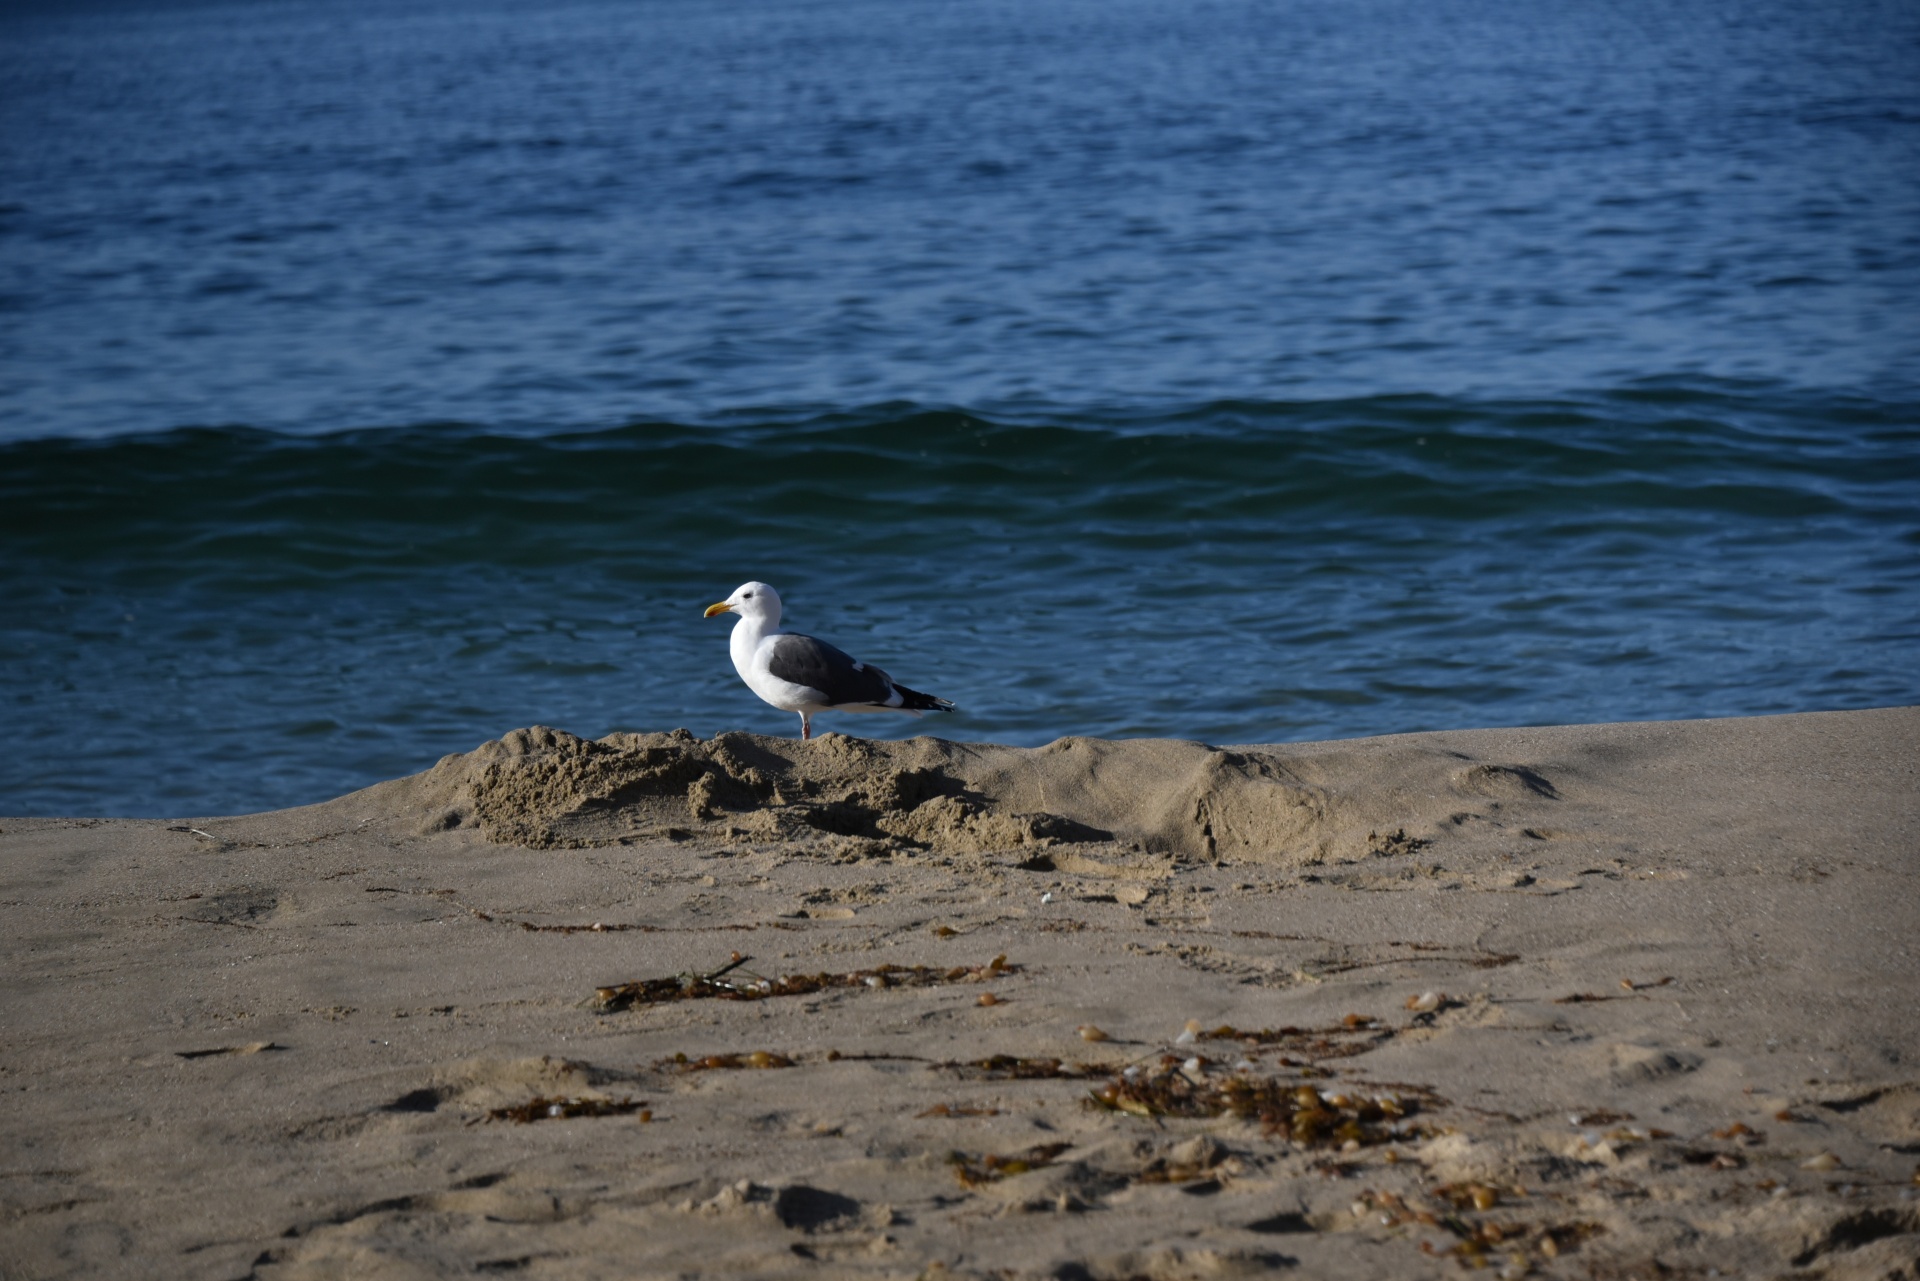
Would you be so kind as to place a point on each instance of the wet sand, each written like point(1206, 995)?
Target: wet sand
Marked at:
point(1592, 1001)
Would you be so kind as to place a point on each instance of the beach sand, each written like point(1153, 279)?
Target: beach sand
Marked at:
point(1630, 1000)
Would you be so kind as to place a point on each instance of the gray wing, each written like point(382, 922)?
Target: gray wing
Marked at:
point(835, 673)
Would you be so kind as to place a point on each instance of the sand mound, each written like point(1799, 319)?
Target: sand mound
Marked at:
point(547, 789)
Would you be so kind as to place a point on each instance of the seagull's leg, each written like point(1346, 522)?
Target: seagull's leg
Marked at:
point(806, 727)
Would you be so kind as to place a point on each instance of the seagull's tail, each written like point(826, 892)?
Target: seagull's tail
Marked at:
point(912, 700)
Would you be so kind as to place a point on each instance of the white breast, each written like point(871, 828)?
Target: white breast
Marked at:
point(751, 651)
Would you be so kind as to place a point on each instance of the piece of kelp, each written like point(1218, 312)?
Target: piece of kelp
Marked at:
point(731, 983)
point(1007, 1067)
point(1514, 1240)
point(1284, 1109)
point(1457, 1212)
point(542, 1108)
point(1356, 1034)
point(755, 1059)
point(972, 1171)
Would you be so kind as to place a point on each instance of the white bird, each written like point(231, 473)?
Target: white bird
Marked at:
point(797, 673)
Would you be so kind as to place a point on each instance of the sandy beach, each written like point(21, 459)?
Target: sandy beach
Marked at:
point(1632, 1000)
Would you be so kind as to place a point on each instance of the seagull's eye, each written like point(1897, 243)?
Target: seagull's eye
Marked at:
point(748, 596)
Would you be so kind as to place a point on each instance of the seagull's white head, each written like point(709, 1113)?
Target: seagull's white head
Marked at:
point(756, 601)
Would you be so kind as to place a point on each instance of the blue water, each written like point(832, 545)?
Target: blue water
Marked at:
point(374, 379)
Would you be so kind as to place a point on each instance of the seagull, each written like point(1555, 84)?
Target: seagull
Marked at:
point(797, 673)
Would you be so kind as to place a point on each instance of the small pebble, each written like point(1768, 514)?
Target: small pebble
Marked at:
point(1088, 1032)
point(1822, 1162)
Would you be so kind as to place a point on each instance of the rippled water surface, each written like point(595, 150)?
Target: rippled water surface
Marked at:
point(374, 381)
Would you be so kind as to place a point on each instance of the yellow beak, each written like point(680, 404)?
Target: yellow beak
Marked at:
point(721, 608)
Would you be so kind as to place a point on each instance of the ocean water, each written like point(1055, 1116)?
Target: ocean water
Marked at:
point(375, 379)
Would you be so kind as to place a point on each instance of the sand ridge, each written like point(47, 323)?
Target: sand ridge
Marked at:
point(546, 789)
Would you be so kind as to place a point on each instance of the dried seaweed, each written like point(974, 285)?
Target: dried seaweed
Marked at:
point(542, 1108)
point(724, 984)
point(254, 1047)
point(1468, 1196)
point(756, 1059)
point(596, 928)
point(1284, 1109)
point(1357, 1034)
point(1007, 1067)
point(972, 1171)
point(1476, 1238)
point(1202, 1166)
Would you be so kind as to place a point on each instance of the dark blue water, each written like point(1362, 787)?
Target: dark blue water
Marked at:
point(376, 380)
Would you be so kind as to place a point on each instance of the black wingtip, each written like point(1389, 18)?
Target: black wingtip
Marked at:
point(914, 701)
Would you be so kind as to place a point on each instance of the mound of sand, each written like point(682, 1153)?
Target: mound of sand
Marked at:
point(548, 789)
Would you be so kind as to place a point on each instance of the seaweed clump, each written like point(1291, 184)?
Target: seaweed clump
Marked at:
point(731, 983)
point(1284, 1109)
point(1008, 1067)
point(757, 1059)
point(972, 1171)
point(542, 1108)
point(1355, 1034)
